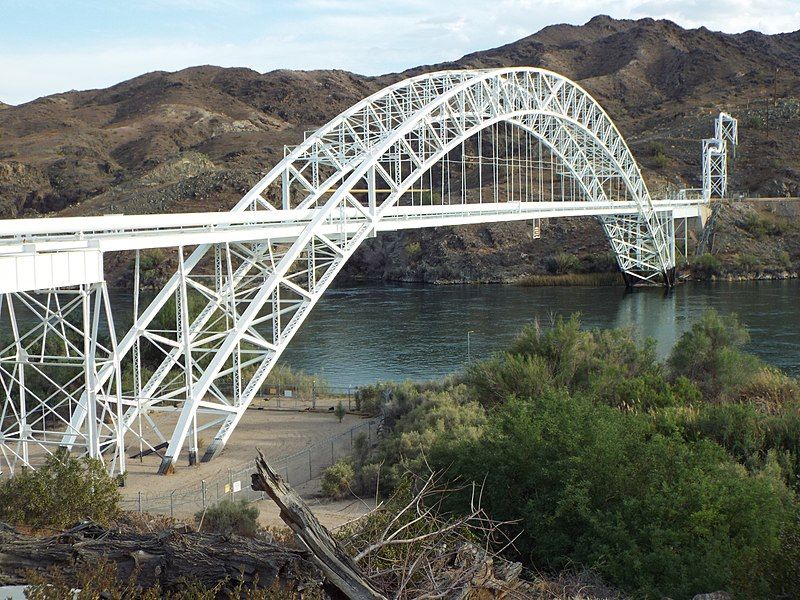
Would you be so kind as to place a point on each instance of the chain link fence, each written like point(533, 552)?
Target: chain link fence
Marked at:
point(297, 469)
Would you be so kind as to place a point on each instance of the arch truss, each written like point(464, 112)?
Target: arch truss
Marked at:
point(519, 143)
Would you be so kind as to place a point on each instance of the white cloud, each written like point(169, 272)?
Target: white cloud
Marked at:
point(366, 37)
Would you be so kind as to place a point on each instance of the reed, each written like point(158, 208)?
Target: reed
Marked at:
point(573, 279)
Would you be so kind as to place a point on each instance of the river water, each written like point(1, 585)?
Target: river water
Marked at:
point(376, 332)
point(359, 335)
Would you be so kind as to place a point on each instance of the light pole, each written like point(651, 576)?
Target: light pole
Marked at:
point(469, 352)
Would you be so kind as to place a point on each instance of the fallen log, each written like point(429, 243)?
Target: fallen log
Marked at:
point(163, 558)
point(338, 566)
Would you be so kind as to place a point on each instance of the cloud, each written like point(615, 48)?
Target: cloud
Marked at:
point(107, 45)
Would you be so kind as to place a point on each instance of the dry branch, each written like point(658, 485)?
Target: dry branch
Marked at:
point(339, 568)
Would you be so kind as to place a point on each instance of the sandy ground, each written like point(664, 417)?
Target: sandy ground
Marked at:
point(331, 513)
point(277, 432)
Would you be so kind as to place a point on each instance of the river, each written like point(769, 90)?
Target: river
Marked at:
point(362, 334)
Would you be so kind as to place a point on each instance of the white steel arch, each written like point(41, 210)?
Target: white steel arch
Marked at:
point(337, 188)
point(434, 113)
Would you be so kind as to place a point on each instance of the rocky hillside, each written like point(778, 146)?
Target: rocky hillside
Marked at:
point(199, 138)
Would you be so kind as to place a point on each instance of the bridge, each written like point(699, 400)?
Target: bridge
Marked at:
point(441, 149)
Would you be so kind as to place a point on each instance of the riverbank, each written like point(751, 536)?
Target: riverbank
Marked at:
point(752, 240)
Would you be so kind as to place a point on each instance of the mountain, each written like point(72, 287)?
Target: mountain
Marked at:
point(199, 138)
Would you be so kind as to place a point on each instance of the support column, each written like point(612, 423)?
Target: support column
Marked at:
point(120, 428)
point(89, 346)
point(187, 352)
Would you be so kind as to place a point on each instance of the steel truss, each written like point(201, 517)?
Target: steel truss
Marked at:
point(220, 323)
point(715, 156)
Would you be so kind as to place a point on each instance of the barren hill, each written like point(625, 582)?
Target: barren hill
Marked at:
point(197, 139)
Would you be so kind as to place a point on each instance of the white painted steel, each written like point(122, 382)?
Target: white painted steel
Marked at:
point(225, 316)
point(33, 270)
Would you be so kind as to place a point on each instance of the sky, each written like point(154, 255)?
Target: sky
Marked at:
point(49, 46)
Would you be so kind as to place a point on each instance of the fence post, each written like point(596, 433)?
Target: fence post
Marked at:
point(171, 511)
point(286, 472)
point(140, 502)
point(203, 492)
point(309, 464)
point(351, 439)
point(369, 426)
point(332, 458)
point(230, 484)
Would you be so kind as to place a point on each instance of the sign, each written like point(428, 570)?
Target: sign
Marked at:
point(237, 486)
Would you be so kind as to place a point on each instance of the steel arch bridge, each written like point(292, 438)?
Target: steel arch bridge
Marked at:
point(445, 148)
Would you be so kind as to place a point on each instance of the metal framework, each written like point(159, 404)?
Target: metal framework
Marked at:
point(446, 148)
point(715, 156)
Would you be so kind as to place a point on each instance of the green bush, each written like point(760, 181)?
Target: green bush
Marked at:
point(304, 384)
point(563, 263)
point(755, 122)
point(655, 514)
point(413, 249)
point(230, 516)
point(710, 355)
point(340, 411)
point(706, 265)
point(655, 149)
point(668, 478)
point(60, 493)
point(760, 226)
point(338, 480)
point(748, 262)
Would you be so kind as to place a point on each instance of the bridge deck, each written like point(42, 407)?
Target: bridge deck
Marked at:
point(111, 233)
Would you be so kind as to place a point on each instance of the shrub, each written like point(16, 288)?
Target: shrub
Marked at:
point(678, 519)
point(710, 355)
point(338, 479)
point(62, 492)
point(230, 516)
point(563, 263)
point(784, 260)
point(755, 122)
point(340, 411)
point(413, 249)
point(706, 265)
point(507, 374)
point(748, 262)
point(655, 148)
point(760, 226)
point(771, 390)
point(577, 359)
point(305, 384)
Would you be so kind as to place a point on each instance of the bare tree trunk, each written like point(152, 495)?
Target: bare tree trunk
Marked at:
point(163, 558)
point(339, 568)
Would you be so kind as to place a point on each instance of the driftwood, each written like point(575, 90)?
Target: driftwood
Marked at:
point(339, 568)
point(164, 558)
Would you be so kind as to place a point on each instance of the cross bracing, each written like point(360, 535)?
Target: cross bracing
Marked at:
point(448, 148)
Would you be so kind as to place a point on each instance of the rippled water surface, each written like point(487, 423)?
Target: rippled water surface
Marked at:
point(362, 334)
point(358, 335)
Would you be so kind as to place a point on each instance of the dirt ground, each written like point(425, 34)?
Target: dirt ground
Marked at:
point(331, 513)
point(277, 432)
